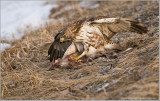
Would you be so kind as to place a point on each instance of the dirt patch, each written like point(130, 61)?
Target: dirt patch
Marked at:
point(123, 75)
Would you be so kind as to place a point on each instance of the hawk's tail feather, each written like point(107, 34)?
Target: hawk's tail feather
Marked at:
point(137, 26)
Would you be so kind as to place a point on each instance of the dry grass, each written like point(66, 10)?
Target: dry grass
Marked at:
point(130, 75)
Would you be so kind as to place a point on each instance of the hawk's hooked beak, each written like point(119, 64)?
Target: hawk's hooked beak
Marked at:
point(62, 39)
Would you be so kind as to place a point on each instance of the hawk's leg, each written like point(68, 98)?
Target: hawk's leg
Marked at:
point(77, 58)
point(71, 50)
point(117, 47)
point(112, 46)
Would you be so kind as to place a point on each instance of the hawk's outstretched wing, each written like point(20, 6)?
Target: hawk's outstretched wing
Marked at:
point(111, 26)
point(57, 49)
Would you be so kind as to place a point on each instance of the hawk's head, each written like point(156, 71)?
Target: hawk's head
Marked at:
point(64, 38)
point(61, 37)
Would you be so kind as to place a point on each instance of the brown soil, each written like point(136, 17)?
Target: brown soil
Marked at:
point(125, 75)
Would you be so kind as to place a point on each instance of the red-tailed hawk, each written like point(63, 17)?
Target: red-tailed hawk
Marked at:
point(91, 36)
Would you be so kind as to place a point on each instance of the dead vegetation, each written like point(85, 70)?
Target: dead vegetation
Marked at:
point(124, 75)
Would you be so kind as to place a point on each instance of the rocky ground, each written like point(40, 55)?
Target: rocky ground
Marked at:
point(125, 75)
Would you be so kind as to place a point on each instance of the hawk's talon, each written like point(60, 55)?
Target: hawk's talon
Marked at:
point(75, 59)
point(71, 57)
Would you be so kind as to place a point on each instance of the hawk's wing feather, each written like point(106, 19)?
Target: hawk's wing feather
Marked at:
point(119, 25)
point(57, 49)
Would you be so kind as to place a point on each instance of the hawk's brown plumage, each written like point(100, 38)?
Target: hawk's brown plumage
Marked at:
point(91, 36)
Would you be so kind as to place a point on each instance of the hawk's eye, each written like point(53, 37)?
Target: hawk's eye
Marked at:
point(92, 19)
